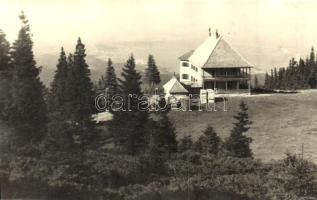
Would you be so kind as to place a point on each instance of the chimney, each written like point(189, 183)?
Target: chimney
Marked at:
point(217, 34)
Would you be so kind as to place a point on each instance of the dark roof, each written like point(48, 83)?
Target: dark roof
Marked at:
point(215, 52)
point(178, 88)
point(186, 55)
point(173, 86)
point(223, 56)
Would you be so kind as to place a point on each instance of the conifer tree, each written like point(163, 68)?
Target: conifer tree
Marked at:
point(267, 81)
point(209, 142)
point(238, 144)
point(152, 74)
point(83, 91)
point(109, 82)
point(313, 69)
point(163, 131)
point(58, 92)
point(256, 81)
point(5, 75)
point(128, 126)
point(82, 99)
point(59, 138)
point(275, 81)
point(185, 143)
point(27, 109)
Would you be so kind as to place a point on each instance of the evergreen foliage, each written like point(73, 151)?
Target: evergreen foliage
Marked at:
point(209, 142)
point(301, 74)
point(237, 143)
point(5, 75)
point(292, 178)
point(163, 132)
point(256, 81)
point(109, 82)
point(186, 143)
point(58, 92)
point(128, 126)
point(152, 74)
point(57, 155)
point(27, 112)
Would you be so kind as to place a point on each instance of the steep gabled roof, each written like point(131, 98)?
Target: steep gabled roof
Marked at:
point(173, 86)
point(186, 55)
point(225, 57)
point(215, 52)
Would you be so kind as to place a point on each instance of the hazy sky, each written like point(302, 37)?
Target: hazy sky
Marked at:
point(288, 27)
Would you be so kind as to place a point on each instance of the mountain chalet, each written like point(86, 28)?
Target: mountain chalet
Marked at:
point(213, 67)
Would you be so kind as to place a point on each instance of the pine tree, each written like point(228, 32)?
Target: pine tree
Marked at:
point(275, 79)
point(256, 81)
point(209, 142)
point(109, 82)
point(238, 144)
point(152, 74)
point(185, 143)
point(267, 81)
point(58, 92)
point(59, 138)
point(27, 109)
point(313, 69)
point(5, 75)
point(163, 132)
point(272, 78)
point(83, 91)
point(128, 127)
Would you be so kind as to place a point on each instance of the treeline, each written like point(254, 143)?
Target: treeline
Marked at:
point(52, 149)
point(300, 74)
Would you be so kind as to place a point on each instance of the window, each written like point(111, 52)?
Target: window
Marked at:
point(184, 76)
point(185, 64)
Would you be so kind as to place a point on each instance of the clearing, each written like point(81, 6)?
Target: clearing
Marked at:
point(281, 123)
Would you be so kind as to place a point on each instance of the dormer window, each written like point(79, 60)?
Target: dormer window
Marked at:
point(185, 64)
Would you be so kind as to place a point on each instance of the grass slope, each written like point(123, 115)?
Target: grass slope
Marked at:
point(281, 123)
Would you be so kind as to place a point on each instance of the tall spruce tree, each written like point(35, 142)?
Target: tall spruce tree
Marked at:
point(83, 90)
point(209, 142)
point(59, 138)
point(163, 131)
point(109, 82)
point(256, 81)
point(81, 96)
point(128, 126)
point(58, 93)
point(238, 144)
point(267, 81)
point(152, 74)
point(275, 80)
point(313, 69)
point(271, 82)
point(27, 109)
point(5, 75)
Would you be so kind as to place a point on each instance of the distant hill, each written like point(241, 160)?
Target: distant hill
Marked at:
point(97, 69)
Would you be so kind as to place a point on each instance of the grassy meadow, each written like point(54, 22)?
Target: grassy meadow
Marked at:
point(281, 123)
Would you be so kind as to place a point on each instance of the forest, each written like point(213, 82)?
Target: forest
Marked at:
point(300, 74)
point(52, 149)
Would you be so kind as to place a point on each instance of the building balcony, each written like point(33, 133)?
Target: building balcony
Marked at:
point(227, 77)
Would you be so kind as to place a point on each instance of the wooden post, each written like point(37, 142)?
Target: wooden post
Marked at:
point(238, 86)
point(203, 79)
point(226, 85)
